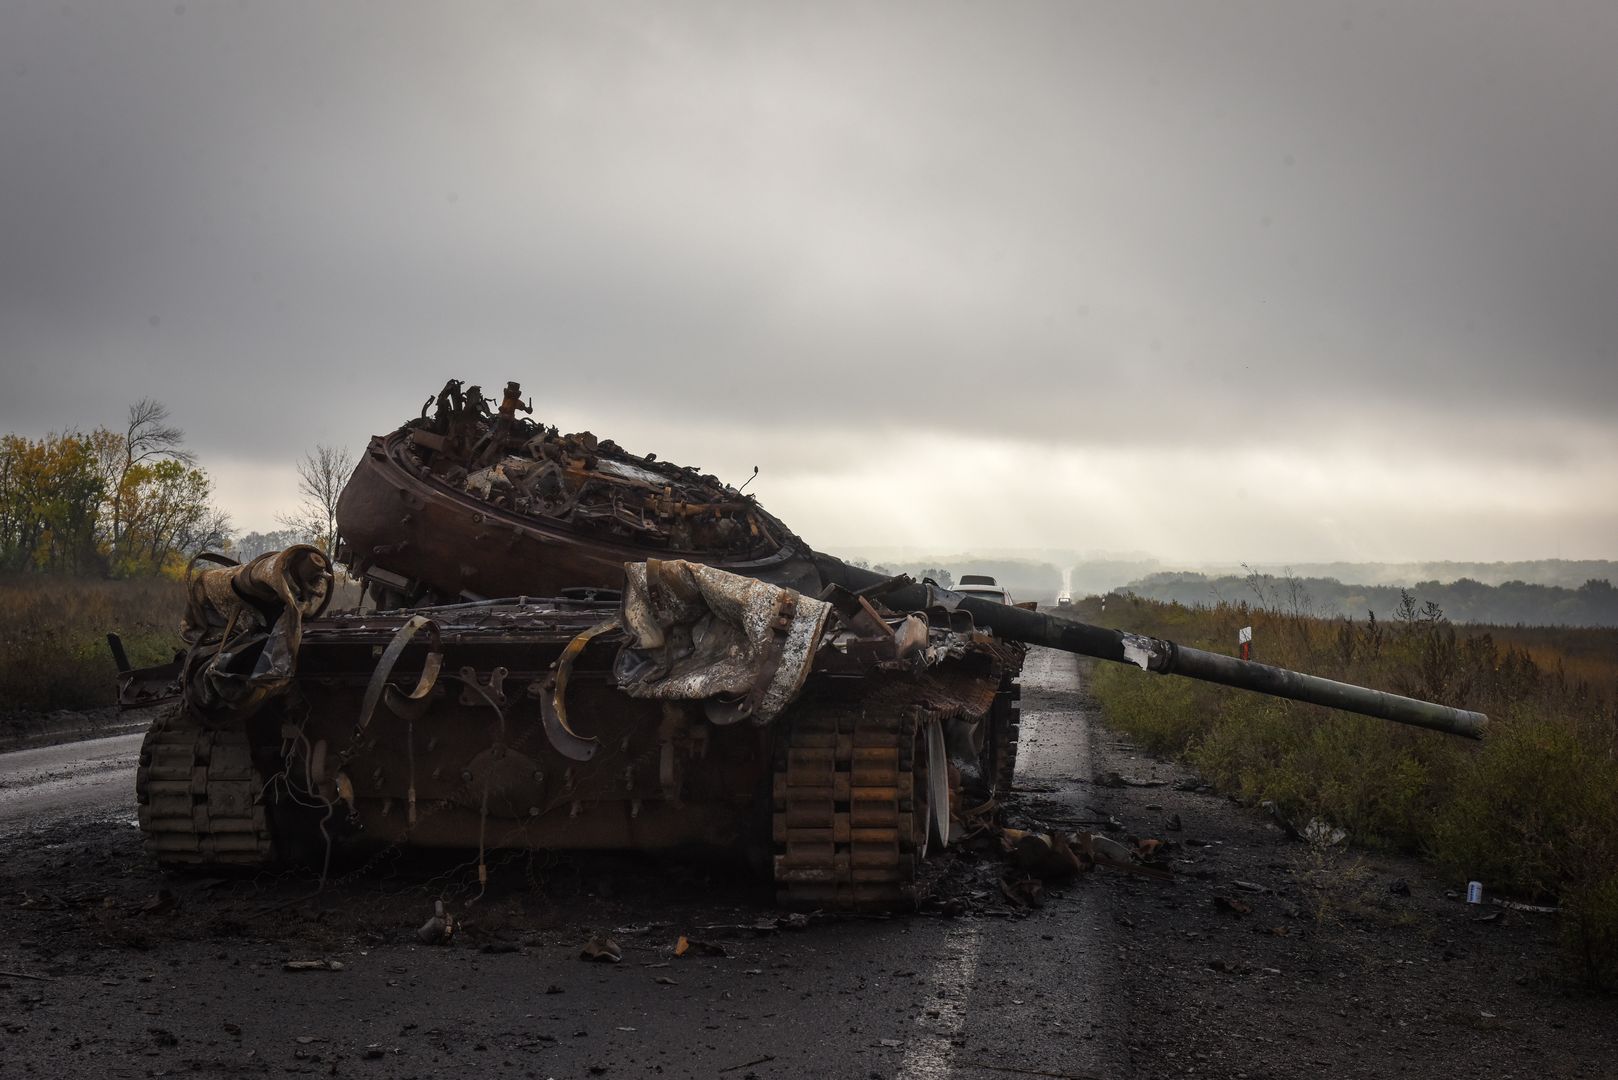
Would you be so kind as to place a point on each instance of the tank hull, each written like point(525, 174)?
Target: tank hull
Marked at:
point(517, 725)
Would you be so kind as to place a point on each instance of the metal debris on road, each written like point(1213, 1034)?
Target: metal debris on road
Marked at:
point(602, 949)
point(1118, 780)
point(312, 965)
point(692, 945)
point(438, 929)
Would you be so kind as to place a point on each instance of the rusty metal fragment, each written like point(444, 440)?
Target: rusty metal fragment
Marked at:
point(697, 633)
point(244, 625)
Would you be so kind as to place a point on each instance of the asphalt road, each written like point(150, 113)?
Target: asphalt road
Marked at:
point(96, 777)
point(906, 997)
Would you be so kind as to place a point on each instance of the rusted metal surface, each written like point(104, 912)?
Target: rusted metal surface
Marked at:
point(469, 503)
point(687, 713)
point(478, 502)
point(697, 633)
point(140, 688)
point(244, 625)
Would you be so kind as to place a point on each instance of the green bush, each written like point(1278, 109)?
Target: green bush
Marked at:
point(1163, 714)
point(1534, 813)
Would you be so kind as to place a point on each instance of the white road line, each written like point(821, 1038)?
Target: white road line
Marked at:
point(929, 1051)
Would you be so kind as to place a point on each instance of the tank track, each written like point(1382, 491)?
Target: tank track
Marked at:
point(849, 828)
point(199, 801)
point(1005, 726)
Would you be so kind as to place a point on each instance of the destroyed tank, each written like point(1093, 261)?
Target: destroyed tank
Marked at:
point(581, 649)
point(474, 499)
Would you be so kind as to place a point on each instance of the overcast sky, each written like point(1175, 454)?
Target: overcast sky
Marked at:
point(1211, 281)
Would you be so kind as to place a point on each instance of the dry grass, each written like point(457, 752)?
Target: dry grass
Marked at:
point(1587, 656)
point(53, 637)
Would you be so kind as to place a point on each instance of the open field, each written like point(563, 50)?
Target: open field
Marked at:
point(53, 636)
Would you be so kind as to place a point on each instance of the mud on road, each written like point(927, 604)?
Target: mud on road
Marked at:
point(1263, 958)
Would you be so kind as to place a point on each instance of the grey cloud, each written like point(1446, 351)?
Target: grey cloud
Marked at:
point(1075, 225)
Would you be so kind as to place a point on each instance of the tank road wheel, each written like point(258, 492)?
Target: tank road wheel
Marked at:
point(199, 799)
point(1005, 724)
point(852, 812)
point(933, 779)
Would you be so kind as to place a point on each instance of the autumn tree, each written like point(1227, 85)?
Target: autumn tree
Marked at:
point(124, 502)
point(251, 545)
point(167, 517)
point(128, 458)
point(50, 494)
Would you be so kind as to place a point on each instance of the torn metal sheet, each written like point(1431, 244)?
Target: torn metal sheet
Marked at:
point(697, 633)
point(1140, 651)
point(244, 625)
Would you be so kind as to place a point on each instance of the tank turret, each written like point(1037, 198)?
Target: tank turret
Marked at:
point(469, 502)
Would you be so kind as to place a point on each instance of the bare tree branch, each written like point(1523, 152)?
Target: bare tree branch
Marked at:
point(148, 434)
point(321, 476)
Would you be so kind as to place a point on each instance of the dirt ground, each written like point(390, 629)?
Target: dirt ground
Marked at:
point(1263, 957)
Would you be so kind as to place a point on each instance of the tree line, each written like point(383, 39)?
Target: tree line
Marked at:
point(114, 503)
point(133, 501)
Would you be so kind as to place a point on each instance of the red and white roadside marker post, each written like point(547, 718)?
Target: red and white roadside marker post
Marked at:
point(1244, 640)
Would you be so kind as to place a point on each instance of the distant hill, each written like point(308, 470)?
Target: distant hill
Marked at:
point(1592, 603)
point(1567, 573)
point(1539, 592)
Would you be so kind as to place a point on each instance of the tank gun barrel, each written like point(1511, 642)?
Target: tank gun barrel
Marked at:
point(1156, 654)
